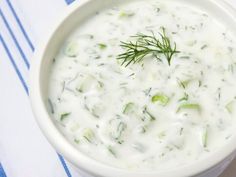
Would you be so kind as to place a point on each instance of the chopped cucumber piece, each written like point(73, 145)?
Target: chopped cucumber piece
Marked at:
point(74, 127)
point(71, 50)
point(128, 108)
point(77, 141)
point(97, 110)
point(89, 135)
point(149, 115)
point(229, 106)
point(126, 14)
point(189, 106)
point(120, 129)
point(88, 83)
point(161, 99)
point(117, 130)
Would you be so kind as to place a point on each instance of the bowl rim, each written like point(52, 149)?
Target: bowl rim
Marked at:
point(66, 149)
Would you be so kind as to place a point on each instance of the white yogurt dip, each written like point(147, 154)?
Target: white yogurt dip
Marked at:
point(149, 114)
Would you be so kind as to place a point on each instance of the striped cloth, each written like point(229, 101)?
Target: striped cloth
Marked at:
point(24, 152)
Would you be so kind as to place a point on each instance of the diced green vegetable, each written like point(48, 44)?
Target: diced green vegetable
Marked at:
point(96, 111)
point(71, 50)
point(229, 106)
point(89, 135)
point(126, 14)
point(120, 129)
point(102, 46)
point(88, 83)
point(117, 130)
point(189, 106)
point(128, 108)
point(77, 141)
point(160, 98)
point(150, 116)
point(64, 116)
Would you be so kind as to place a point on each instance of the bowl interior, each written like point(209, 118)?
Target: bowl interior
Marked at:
point(73, 17)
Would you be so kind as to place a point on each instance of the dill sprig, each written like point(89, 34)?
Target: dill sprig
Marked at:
point(147, 45)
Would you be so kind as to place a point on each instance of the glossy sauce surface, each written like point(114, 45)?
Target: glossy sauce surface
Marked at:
point(148, 115)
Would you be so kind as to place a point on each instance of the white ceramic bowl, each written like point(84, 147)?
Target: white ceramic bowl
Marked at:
point(75, 14)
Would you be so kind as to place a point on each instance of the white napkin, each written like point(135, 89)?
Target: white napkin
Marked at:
point(24, 151)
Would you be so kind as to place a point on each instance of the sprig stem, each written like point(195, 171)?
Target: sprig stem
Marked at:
point(147, 45)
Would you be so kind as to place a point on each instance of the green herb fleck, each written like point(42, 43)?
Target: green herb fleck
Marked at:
point(111, 150)
point(102, 46)
point(184, 98)
point(64, 116)
point(184, 83)
point(117, 133)
point(160, 98)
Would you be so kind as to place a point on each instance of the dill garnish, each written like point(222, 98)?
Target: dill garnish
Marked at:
point(147, 45)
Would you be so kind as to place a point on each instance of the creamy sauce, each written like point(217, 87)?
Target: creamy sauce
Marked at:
point(148, 115)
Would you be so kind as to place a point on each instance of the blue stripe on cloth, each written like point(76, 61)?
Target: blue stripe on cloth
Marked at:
point(14, 64)
point(69, 1)
point(17, 70)
point(14, 39)
point(20, 24)
point(2, 172)
point(64, 165)
point(26, 89)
